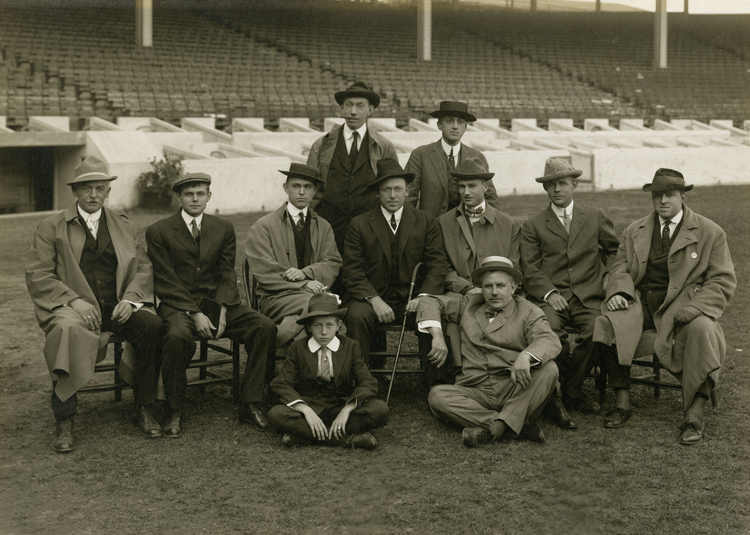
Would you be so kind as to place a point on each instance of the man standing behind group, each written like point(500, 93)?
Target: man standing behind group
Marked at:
point(433, 189)
point(292, 253)
point(347, 160)
point(193, 255)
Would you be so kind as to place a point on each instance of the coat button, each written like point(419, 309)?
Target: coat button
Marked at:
point(197, 269)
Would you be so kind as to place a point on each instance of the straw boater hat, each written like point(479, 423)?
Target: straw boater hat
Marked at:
point(191, 177)
point(300, 170)
point(557, 168)
point(453, 107)
point(666, 180)
point(358, 90)
point(471, 169)
point(495, 263)
point(321, 304)
point(89, 170)
point(390, 168)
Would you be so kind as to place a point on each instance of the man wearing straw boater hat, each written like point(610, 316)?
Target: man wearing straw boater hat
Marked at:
point(88, 277)
point(292, 253)
point(673, 273)
point(347, 160)
point(434, 189)
point(562, 248)
point(507, 346)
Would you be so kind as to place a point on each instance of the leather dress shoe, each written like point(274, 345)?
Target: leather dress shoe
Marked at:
point(533, 432)
point(559, 414)
point(476, 436)
point(251, 414)
point(149, 427)
point(290, 440)
point(690, 433)
point(64, 441)
point(173, 428)
point(616, 418)
point(363, 441)
point(583, 403)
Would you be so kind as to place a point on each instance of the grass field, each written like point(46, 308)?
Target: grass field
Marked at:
point(224, 478)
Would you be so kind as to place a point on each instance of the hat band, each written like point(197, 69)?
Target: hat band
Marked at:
point(93, 173)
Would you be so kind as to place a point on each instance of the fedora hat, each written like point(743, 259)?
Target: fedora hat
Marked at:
point(471, 169)
point(666, 180)
point(453, 107)
point(301, 170)
point(557, 168)
point(191, 177)
point(91, 169)
point(390, 168)
point(360, 90)
point(495, 263)
point(322, 304)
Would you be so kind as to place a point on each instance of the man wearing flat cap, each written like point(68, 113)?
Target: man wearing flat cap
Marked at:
point(673, 274)
point(347, 159)
point(434, 189)
point(475, 229)
point(292, 253)
point(382, 248)
point(193, 255)
point(507, 351)
point(88, 276)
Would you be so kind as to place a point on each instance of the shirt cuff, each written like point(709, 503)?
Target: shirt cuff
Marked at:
point(291, 404)
point(136, 305)
point(547, 294)
point(353, 403)
point(423, 326)
point(533, 356)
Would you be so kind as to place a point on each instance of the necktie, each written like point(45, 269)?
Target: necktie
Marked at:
point(452, 160)
point(92, 227)
point(394, 225)
point(665, 236)
point(301, 222)
point(354, 150)
point(566, 221)
point(492, 312)
point(324, 369)
point(194, 230)
point(474, 212)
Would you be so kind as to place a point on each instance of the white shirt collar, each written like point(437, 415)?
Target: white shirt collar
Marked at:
point(560, 212)
point(482, 205)
point(348, 132)
point(314, 346)
point(188, 219)
point(387, 215)
point(447, 148)
point(675, 220)
point(294, 211)
point(89, 217)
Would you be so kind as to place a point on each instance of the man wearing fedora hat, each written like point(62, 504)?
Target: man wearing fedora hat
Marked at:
point(674, 274)
point(562, 248)
point(88, 276)
point(507, 347)
point(292, 253)
point(382, 249)
point(193, 255)
point(474, 229)
point(434, 189)
point(327, 392)
point(347, 160)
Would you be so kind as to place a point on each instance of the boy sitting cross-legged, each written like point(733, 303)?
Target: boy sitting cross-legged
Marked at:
point(327, 392)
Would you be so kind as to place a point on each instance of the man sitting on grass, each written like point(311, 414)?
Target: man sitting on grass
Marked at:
point(327, 392)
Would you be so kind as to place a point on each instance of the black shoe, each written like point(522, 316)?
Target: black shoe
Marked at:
point(64, 441)
point(476, 436)
point(532, 432)
point(583, 404)
point(149, 427)
point(250, 413)
point(173, 428)
point(559, 414)
point(616, 418)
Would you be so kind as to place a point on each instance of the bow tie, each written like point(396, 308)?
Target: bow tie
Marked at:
point(492, 312)
point(476, 212)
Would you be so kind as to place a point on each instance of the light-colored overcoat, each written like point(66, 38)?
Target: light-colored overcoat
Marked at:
point(54, 278)
point(701, 275)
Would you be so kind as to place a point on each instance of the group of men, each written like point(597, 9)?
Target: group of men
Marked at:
point(511, 298)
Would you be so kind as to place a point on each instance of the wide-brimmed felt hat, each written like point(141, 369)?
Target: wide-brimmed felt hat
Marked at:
point(471, 169)
point(495, 263)
point(557, 168)
point(390, 168)
point(453, 107)
point(321, 304)
point(301, 170)
point(191, 177)
point(358, 90)
point(666, 180)
point(91, 169)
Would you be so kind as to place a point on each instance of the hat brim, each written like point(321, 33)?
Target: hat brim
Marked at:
point(372, 97)
point(304, 318)
point(575, 173)
point(666, 187)
point(91, 177)
point(472, 176)
point(476, 275)
point(290, 174)
point(439, 114)
point(409, 177)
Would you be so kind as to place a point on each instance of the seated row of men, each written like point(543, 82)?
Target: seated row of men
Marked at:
point(88, 275)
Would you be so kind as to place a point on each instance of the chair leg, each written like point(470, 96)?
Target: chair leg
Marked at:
point(118, 380)
point(203, 357)
point(236, 371)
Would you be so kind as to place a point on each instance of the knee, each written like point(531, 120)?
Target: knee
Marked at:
point(437, 398)
point(548, 372)
point(378, 411)
point(277, 414)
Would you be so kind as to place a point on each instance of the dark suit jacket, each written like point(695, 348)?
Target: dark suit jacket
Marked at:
point(185, 273)
point(430, 185)
point(367, 253)
point(298, 377)
point(572, 264)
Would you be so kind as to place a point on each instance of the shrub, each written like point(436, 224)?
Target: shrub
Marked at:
point(155, 186)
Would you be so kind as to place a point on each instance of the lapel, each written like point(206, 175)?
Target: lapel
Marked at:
point(405, 228)
point(501, 318)
point(579, 220)
point(208, 235)
point(554, 225)
point(380, 228)
point(312, 361)
point(685, 236)
point(76, 232)
point(438, 162)
point(642, 244)
point(287, 235)
point(338, 358)
point(464, 226)
point(314, 231)
point(181, 232)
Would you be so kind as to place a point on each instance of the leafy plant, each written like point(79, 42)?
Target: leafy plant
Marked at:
point(155, 186)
